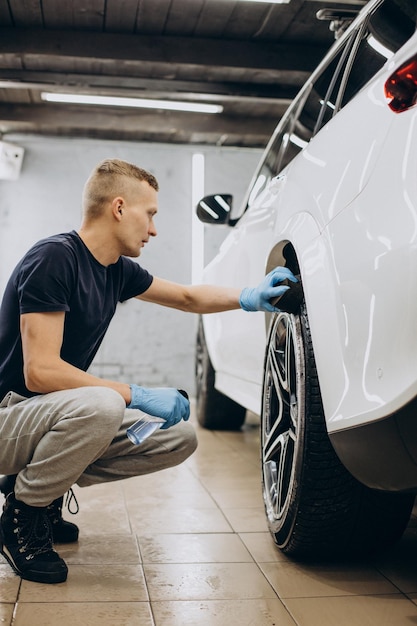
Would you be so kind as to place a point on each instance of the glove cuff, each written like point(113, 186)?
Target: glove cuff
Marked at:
point(136, 393)
point(244, 299)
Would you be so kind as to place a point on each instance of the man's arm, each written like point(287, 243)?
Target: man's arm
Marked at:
point(44, 370)
point(192, 298)
point(213, 299)
point(42, 333)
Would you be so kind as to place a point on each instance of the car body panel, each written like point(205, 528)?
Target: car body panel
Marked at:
point(347, 206)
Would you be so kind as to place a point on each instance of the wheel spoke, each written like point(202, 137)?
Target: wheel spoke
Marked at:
point(273, 425)
point(294, 412)
point(281, 493)
point(272, 446)
point(278, 353)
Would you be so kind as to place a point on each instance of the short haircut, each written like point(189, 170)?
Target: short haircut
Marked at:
point(109, 179)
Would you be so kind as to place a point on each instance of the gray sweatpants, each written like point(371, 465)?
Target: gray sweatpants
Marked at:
point(55, 440)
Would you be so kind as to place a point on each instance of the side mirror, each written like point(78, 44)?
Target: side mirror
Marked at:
point(215, 209)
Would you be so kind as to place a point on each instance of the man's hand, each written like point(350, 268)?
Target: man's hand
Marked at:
point(258, 298)
point(167, 403)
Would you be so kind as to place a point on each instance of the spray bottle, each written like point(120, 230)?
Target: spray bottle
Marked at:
point(147, 425)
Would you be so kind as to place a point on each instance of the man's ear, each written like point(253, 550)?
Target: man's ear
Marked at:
point(117, 206)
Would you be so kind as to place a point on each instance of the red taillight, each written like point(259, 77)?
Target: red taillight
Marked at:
point(401, 87)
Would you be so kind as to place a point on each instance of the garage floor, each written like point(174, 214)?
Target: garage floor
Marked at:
point(189, 546)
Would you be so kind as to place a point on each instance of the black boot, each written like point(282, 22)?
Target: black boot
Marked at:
point(26, 543)
point(62, 531)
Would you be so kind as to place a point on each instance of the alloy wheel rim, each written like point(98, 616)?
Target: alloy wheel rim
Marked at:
point(283, 400)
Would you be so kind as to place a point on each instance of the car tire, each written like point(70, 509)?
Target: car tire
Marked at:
point(314, 506)
point(215, 411)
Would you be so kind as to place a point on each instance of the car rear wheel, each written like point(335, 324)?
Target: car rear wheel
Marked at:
point(315, 507)
point(215, 411)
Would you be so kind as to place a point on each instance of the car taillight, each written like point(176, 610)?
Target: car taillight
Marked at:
point(401, 87)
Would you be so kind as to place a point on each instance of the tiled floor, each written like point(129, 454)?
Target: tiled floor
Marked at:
point(190, 547)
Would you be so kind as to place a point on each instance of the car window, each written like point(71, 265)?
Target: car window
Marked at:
point(283, 148)
point(358, 58)
point(321, 104)
point(300, 125)
point(273, 160)
point(314, 106)
point(386, 30)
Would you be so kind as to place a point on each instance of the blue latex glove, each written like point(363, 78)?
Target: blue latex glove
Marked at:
point(164, 402)
point(258, 298)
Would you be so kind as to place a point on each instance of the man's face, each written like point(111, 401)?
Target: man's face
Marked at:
point(137, 218)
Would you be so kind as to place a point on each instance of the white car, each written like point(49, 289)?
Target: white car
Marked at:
point(334, 375)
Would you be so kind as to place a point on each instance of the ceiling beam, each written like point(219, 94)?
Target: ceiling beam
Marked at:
point(44, 80)
point(182, 51)
point(135, 125)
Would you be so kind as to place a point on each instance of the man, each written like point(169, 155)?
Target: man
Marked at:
point(60, 425)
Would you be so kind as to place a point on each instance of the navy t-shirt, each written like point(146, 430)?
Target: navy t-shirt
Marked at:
point(60, 274)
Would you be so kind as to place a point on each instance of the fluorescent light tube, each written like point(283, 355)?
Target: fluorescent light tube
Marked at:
point(140, 103)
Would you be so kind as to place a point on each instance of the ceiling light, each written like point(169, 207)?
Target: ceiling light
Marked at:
point(140, 103)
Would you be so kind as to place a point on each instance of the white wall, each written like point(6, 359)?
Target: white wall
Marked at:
point(145, 344)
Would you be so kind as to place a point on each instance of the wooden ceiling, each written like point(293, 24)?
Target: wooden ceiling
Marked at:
point(250, 57)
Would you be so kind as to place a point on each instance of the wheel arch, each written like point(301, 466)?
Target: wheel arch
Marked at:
point(305, 249)
point(283, 253)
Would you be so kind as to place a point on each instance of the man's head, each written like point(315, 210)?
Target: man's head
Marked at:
point(120, 201)
point(109, 179)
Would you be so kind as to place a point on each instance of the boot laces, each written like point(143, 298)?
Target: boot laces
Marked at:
point(55, 508)
point(70, 498)
point(33, 531)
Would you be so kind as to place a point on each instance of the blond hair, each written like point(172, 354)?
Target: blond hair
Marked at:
point(109, 179)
